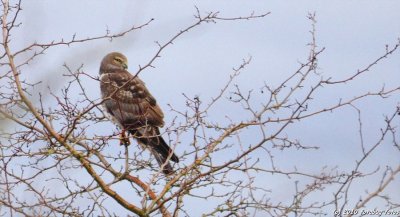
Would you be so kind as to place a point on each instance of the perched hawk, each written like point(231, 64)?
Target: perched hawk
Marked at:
point(133, 108)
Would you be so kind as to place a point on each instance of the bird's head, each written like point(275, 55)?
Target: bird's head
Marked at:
point(113, 61)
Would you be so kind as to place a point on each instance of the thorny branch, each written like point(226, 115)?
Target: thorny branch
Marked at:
point(52, 143)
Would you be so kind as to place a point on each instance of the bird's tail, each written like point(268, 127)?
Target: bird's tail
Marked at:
point(158, 147)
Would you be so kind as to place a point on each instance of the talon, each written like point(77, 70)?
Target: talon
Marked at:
point(123, 139)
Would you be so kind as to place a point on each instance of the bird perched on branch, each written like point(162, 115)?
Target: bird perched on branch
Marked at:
point(133, 108)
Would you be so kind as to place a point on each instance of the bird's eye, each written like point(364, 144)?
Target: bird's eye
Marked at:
point(118, 60)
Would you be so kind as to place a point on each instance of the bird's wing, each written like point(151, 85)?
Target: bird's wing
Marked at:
point(132, 105)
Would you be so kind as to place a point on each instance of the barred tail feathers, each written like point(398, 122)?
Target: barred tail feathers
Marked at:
point(158, 147)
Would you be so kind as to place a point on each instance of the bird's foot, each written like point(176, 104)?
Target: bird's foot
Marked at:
point(123, 139)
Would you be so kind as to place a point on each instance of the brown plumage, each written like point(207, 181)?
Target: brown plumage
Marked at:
point(133, 108)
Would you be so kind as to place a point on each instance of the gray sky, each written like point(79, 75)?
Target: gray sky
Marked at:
point(354, 33)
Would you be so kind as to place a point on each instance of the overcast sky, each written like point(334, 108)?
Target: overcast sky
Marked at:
point(354, 33)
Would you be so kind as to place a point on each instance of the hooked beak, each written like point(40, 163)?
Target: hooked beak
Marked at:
point(124, 65)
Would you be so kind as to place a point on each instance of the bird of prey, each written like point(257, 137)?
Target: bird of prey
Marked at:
point(132, 107)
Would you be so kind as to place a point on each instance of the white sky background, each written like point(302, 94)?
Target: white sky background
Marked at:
point(354, 34)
